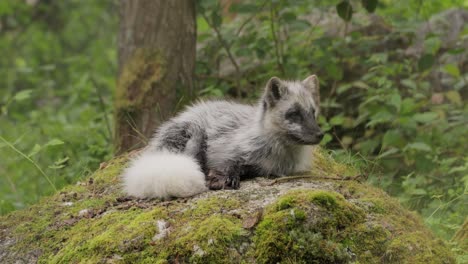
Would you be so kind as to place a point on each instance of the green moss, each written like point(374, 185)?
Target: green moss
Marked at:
point(299, 214)
point(325, 165)
point(391, 232)
point(341, 212)
point(325, 199)
point(285, 202)
point(116, 233)
point(306, 225)
point(460, 243)
point(271, 239)
point(332, 229)
point(417, 247)
point(344, 222)
point(211, 240)
point(54, 225)
point(142, 71)
point(212, 205)
point(369, 241)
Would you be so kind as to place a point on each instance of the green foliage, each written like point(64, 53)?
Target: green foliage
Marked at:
point(380, 103)
point(57, 74)
point(345, 10)
point(382, 108)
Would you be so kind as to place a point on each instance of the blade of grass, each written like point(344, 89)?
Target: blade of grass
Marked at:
point(30, 160)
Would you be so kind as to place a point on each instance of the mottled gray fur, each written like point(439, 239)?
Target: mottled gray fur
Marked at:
point(234, 141)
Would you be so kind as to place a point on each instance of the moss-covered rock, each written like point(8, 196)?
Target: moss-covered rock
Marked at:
point(301, 220)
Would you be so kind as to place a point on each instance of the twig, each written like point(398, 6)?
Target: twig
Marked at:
point(338, 138)
point(358, 177)
point(103, 107)
point(275, 40)
point(139, 135)
point(228, 51)
point(250, 18)
point(340, 62)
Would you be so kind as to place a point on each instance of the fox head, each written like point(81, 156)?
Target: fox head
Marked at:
point(290, 108)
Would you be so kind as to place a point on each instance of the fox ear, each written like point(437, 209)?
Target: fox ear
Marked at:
point(312, 84)
point(274, 91)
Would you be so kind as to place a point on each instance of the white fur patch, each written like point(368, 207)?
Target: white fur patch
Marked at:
point(305, 162)
point(163, 175)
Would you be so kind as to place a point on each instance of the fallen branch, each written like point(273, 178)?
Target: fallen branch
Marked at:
point(359, 178)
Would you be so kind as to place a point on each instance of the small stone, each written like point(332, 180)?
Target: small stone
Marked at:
point(86, 213)
point(80, 183)
point(252, 220)
point(210, 241)
point(117, 257)
point(70, 221)
point(163, 228)
point(103, 165)
point(198, 251)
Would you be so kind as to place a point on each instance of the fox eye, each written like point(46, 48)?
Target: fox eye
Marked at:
point(294, 116)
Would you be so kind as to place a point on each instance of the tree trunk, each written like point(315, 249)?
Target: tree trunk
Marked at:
point(156, 65)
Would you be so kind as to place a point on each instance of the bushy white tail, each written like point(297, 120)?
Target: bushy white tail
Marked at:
point(162, 175)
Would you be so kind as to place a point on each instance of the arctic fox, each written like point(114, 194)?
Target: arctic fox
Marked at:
point(215, 144)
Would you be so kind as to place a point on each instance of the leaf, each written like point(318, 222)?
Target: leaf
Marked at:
point(344, 10)
point(60, 163)
point(369, 5)
point(392, 138)
point(62, 160)
point(288, 17)
point(6, 8)
point(452, 69)
point(456, 51)
point(243, 8)
point(343, 88)
point(54, 142)
point(35, 150)
point(22, 95)
point(418, 192)
point(409, 83)
point(216, 19)
point(382, 116)
point(457, 169)
point(207, 4)
point(299, 25)
point(408, 106)
point(418, 146)
point(388, 153)
point(334, 71)
point(371, 100)
point(426, 62)
point(360, 85)
point(337, 120)
point(432, 44)
point(454, 97)
point(56, 167)
point(425, 117)
point(395, 100)
point(327, 138)
point(347, 140)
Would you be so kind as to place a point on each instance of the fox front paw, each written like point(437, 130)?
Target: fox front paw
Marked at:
point(217, 180)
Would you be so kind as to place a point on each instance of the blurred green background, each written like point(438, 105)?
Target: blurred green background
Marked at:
point(394, 85)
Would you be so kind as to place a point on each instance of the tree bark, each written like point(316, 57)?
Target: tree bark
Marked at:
point(156, 48)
